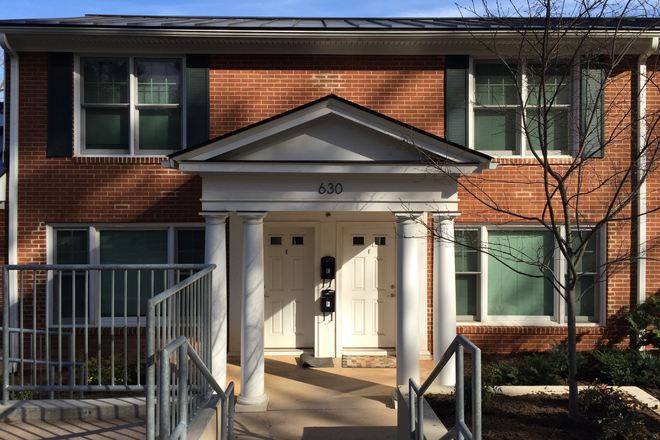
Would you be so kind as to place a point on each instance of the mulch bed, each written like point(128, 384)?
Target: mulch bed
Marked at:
point(533, 416)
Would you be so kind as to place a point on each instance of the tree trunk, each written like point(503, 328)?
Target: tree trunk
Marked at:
point(572, 357)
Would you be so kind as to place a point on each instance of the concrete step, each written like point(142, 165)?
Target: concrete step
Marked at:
point(120, 418)
point(73, 409)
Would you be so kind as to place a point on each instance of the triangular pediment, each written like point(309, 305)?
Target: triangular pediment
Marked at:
point(328, 131)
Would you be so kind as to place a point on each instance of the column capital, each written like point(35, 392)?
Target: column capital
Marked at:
point(445, 216)
point(214, 216)
point(403, 216)
point(252, 215)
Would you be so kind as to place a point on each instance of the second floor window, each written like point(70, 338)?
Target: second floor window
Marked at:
point(131, 106)
point(517, 108)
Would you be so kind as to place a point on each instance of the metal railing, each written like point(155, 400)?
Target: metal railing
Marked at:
point(417, 394)
point(183, 310)
point(180, 402)
point(83, 328)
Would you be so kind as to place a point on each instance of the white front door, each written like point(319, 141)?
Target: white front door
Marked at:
point(289, 287)
point(368, 288)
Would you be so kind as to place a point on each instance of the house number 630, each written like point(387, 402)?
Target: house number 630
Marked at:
point(331, 188)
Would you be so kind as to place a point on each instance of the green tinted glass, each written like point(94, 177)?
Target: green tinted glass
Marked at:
point(105, 82)
point(69, 288)
point(494, 84)
point(465, 250)
point(495, 129)
point(516, 285)
point(106, 128)
point(160, 128)
point(131, 247)
point(466, 294)
point(159, 82)
point(190, 246)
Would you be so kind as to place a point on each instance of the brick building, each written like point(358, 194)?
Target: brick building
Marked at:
point(174, 139)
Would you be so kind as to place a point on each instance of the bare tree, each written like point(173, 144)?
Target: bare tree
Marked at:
point(564, 72)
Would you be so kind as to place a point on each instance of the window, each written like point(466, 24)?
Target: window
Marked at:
point(503, 124)
point(131, 105)
point(118, 246)
point(588, 286)
point(507, 282)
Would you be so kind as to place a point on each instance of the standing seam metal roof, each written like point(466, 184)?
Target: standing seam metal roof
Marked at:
point(175, 22)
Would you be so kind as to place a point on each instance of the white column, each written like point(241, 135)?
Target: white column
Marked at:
point(444, 294)
point(407, 300)
point(252, 326)
point(216, 253)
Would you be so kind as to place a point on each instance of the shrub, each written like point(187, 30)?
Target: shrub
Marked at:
point(618, 414)
point(107, 372)
point(628, 367)
point(644, 322)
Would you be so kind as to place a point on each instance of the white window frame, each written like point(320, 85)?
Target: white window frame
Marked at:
point(133, 148)
point(521, 148)
point(94, 257)
point(559, 317)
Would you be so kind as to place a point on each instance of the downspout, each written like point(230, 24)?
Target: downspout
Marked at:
point(641, 169)
point(12, 176)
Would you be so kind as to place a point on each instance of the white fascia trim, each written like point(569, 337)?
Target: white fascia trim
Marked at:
point(12, 202)
point(354, 35)
point(641, 169)
point(322, 168)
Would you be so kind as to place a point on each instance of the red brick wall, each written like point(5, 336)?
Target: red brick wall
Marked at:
point(73, 190)
point(246, 89)
point(249, 88)
point(515, 187)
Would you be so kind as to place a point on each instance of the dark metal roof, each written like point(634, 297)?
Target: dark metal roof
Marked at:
point(343, 24)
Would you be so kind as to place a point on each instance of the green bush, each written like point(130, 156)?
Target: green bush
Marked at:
point(618, 414)
point(644, 322)
point(107, 372)
point(628, 367)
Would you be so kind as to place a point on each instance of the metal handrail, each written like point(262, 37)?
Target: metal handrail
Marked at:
point(31, 318)
point(185, 351)
point(153, 308)
point(417, 393)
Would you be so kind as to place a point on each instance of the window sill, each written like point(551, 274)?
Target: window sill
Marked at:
point(118, 159)
point(518, 323)
point(530, 160)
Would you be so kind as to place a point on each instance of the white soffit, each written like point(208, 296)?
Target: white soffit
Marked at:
point(328, 131)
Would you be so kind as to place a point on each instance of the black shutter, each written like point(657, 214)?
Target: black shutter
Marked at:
point(592, 109)
point(456, 98)
point(60, 105)
point(197, 99)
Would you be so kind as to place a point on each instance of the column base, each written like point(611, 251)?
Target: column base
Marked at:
point(251, 404)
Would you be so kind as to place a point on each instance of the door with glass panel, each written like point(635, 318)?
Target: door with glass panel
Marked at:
point(368, 288)
point(289, 287)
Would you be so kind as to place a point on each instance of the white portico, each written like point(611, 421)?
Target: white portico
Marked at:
point(328, 179)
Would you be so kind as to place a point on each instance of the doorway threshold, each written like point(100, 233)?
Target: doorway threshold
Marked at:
point(369, 351)
point(287, 351)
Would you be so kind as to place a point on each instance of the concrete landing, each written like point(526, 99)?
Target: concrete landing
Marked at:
point(324, 403)
point(304, 403)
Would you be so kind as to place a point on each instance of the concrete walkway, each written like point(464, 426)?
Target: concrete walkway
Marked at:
point(325, 403)
point(305, 403)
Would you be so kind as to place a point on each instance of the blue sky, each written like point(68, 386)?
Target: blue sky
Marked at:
point(279, 8)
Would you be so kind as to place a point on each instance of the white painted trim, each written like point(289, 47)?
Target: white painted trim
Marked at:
point(324, 168)
point(12, 199)
point(641, 169)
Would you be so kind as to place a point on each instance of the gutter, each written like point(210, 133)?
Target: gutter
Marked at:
point(641, 169)
point(251, 34)
point(12, 176)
